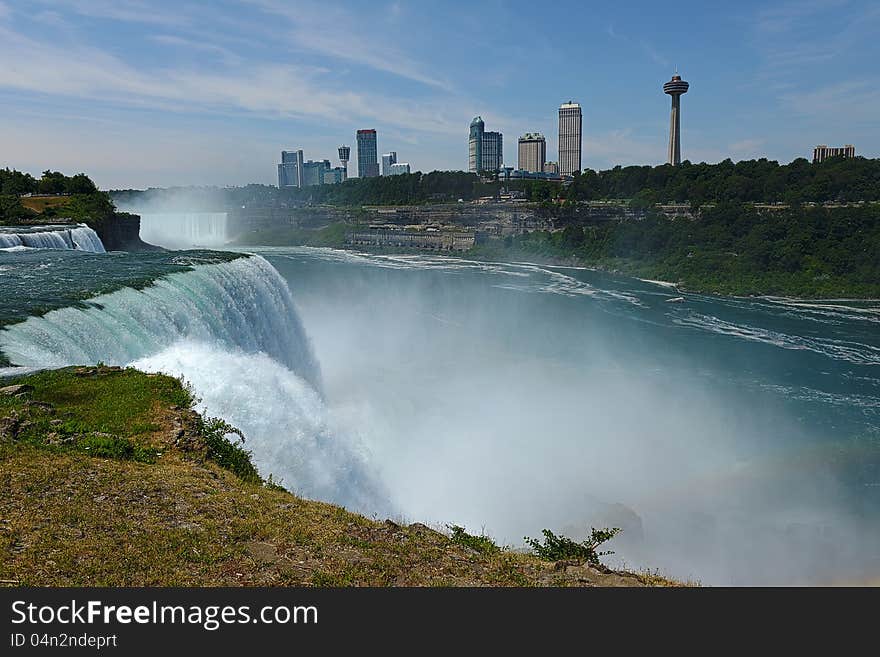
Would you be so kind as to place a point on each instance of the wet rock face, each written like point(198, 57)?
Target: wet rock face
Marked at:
point(123, 234)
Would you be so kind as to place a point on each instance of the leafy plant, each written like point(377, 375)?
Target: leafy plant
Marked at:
point(556, 548)
point(482, 543)
point(227, 454)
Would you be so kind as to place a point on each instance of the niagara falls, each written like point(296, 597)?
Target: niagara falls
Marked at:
point(723, 435)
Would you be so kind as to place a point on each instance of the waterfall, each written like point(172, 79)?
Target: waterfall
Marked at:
point(85, 239)
point(231, 330)
point(243, 304)
point(182, 230)
point(81, 238)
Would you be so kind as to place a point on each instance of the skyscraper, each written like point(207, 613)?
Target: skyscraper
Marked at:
point(492, 152)
point(475, 145)
point(290, 171)
point(675, 88)
point(387, 160)
point(368, 164)
point(344, 154)
point(570, 137)
point(532, 152)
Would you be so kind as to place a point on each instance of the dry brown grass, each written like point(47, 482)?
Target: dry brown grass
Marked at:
point(40, 203)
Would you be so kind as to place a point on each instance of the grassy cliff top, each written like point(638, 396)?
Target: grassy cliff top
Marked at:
point(107, 477)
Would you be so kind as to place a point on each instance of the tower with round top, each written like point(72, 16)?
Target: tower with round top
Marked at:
point(675, 88)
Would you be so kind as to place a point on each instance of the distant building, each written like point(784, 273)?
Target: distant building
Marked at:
point(367, 151)
point(493, 151)
point(475, 145)
point(313, 172)
point(823, 152)
point(570, 138)
point(520, 174)
point(485, 149)
point(551, 167)
point(398, 168)
point(291, 168)
point(387, 160)
point(532, 152)
point(344, 155)
point(334, 175)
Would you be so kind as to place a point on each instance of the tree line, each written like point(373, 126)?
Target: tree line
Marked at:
point(732, 249)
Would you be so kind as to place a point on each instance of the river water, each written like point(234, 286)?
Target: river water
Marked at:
point(734, 440)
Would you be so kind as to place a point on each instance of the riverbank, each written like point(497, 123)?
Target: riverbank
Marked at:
point(96, 458)
point(807, 254)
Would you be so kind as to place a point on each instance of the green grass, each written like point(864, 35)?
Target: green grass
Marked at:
point(99, 399)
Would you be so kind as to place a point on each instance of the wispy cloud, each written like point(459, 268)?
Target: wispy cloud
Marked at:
point(845, 101)
point(337, 33)
point(643, 44)
point(268, 90)
point(812, 54)
point(131, 11)
point(199, 46)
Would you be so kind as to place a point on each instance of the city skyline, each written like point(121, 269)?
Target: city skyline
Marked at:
point(210, 101)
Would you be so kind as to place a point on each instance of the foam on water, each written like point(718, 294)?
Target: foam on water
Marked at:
point(81, 238)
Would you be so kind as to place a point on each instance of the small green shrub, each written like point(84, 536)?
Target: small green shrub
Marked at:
point(274, 484)
point(556, 548)
point(482, 543)
point(225, 453)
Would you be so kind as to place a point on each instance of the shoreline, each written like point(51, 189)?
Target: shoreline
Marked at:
point(558, 263)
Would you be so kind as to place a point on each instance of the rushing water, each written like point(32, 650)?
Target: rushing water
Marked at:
point(183, 230)
point(81, 238)
point(733, 440)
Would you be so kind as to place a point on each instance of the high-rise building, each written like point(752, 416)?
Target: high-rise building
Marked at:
point(675, 88)
point(823, 152)
point(387, 160)
point(570, 138)
point(313, 172)
point(493, 152)
point(290, 169)
point(551, 167)
point(532, 152)
point(475, 145)
point(398, 168)
point(367, 147)
point(344, 154)
point(485, 149)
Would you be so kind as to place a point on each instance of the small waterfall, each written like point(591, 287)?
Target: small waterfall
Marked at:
point(85, 239)
point(81, 238)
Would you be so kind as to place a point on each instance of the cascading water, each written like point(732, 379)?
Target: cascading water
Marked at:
point(232, 331)
point(85, 239)
point(81, 238)
point(183, 230)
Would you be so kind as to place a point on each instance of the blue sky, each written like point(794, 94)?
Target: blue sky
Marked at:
point(140, 93)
